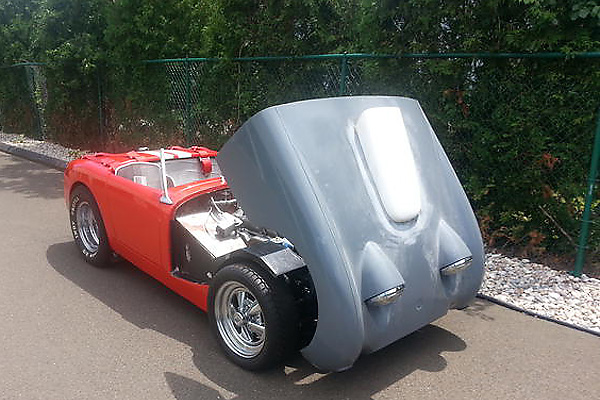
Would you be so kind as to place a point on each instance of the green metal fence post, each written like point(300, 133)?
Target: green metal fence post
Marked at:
point(343, 75)
point(29, 76)
point(188, 101)
point(589, 197)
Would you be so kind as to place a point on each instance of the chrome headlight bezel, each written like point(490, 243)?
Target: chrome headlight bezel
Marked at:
point(387, 297)
point(457, 266)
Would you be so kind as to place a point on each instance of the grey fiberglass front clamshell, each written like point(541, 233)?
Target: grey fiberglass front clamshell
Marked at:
point(366, 217)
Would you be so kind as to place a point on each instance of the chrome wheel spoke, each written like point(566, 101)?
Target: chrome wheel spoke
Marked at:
point(246, 334)
point(259, 330)
point(231, 310)
point(241, 298)
point(254, 309)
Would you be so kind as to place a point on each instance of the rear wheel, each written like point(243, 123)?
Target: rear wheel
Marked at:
point(87, 227)
point(253, 316)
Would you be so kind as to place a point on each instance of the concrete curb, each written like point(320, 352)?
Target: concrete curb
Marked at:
point(536, 315)
point(52, 162)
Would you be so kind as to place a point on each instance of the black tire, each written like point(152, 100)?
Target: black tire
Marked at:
point(90, 238)
point(279, 316)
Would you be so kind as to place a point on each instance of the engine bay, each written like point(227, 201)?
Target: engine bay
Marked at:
point(211, 231)
point(211, 228)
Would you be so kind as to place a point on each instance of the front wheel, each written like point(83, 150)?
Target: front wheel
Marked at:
point(253, 316)
point(87, 227)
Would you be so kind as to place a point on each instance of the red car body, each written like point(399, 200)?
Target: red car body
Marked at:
point(125, 207)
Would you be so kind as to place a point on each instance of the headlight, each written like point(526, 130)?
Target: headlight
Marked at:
point(387, 297)
point(457, 266)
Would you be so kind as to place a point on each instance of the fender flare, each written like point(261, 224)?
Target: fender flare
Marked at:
point(273, 257)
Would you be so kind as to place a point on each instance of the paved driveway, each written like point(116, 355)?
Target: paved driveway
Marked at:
point(71, 331)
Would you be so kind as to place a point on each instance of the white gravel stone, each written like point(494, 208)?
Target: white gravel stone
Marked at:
point(40, 146)
point(537, 288)
point(519, 282)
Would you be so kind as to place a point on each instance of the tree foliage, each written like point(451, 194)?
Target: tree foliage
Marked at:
point(517, 130)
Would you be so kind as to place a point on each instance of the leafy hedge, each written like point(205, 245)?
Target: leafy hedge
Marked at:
point(519, 131)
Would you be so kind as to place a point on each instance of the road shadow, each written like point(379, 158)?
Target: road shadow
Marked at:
point(478, 308)
point(28, 178)
point(371, 374)
point(147, 304)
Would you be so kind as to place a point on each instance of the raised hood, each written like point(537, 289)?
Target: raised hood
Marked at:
point(363, 189)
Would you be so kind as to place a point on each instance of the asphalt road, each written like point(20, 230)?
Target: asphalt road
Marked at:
point(71, 331)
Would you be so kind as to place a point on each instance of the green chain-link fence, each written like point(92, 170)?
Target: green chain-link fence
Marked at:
point(23, 98)
point(210, 97)
point(517, 127)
